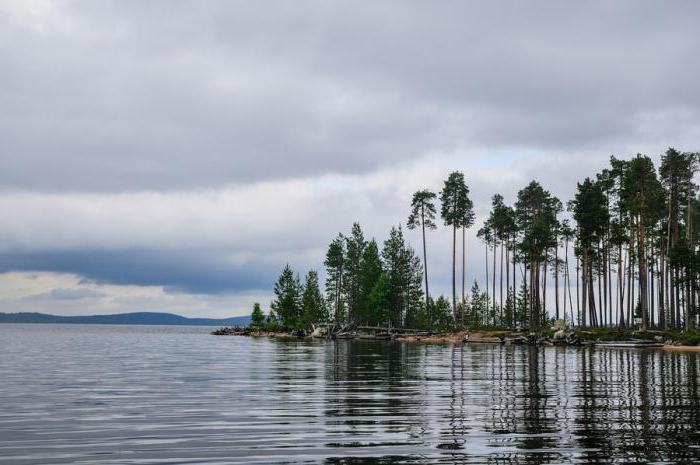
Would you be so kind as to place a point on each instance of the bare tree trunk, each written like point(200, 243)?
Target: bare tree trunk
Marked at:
point(591, 297)
point(544, 287)
point(578, 298)
point(644, 308)
point(501, 284)
point(493, 293)
point(584, 285)
point(454, 269)
point(425, 268)
point(486, 269)
point(464, 260)
point(509, 316)
point(556, 280)
point(662, 284)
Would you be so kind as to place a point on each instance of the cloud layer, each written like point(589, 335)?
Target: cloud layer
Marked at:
point(196, 148)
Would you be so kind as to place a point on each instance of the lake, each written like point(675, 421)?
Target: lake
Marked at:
point(176, 395)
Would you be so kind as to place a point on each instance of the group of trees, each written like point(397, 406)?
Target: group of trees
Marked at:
point(295, 305)
point(630, 230)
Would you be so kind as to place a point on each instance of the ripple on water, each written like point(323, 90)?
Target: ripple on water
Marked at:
point(155, 395)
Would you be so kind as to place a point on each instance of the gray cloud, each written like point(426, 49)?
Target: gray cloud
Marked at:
point(199, 147)
point(112, 96)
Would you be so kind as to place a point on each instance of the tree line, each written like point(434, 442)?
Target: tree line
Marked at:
point(622, 252)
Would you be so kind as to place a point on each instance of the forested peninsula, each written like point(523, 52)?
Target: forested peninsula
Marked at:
point(619, 259)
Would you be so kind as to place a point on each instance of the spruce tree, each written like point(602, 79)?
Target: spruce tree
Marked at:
point(312, 301)
point(257, 318)
point(287, 303)
point(355, 245)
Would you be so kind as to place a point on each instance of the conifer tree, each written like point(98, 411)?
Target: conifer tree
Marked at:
point(457, 211)
point(590, 211)
point(643, 197)
point(335, 260)
point(257, 318)
point(370, 273)
point(312, 301)
point(355, 245)
point(423, 216)
point(287, 303)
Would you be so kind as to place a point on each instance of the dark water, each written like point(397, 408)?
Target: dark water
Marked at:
point(147, 395)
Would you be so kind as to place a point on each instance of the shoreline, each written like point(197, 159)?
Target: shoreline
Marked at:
point(651, 339)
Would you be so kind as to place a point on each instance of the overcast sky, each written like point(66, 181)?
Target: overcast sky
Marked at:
point(173, 156)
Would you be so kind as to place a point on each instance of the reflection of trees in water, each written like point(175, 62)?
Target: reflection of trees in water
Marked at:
point(637, 404)
point(498, 404)
point(374, 393)
point(596, 404)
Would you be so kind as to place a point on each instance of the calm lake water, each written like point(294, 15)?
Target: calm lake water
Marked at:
point(176, 395)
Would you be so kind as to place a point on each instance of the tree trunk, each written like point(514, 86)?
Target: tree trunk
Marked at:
point(464, 272)
point(662, 283)
point(544, 287)
point(486, 268)
point(579, 304)
point(556, 281)
point(644, 308)
point(584, 285)
point(454, 287)
point(501, 284)
point(591, 297)
point(493, 284)
point(425, 270)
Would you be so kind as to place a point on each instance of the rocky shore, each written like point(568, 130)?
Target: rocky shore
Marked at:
point(549, 337)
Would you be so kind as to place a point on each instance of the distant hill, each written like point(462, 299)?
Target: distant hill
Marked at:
point(139, 318)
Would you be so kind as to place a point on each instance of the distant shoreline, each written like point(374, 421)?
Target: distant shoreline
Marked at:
point(136, 318)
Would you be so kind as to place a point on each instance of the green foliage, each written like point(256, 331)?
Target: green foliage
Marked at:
point(379, 301)
point(370, 273)
point(457, 208)
point(642, 194)
point(422, 210)
point(287, 303)
point(590, 211)
point(314, 308)
point(335, 259)
point(355, 245)
point(440, 313)
point(257, 318)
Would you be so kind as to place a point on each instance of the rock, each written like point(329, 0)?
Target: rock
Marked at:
point(320, 331)
point(300, 333)
point(559, 325)
point(559, 336)
point(658, 338)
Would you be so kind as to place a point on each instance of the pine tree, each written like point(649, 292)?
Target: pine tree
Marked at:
point(457, 211)
point(312, 301)
point(536, 219)
point(257, 318)
point(644, 199)
point(370, 273)
point(423, 216)
point(354, 249)
point(335, 260)
point(590, 211)
point(287, 303)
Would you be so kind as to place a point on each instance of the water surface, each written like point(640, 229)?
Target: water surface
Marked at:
point(174, 395)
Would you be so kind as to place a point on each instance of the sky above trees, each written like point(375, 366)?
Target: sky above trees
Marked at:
point(172, 156)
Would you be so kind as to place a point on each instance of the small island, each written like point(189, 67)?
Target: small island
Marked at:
point(616, 265)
